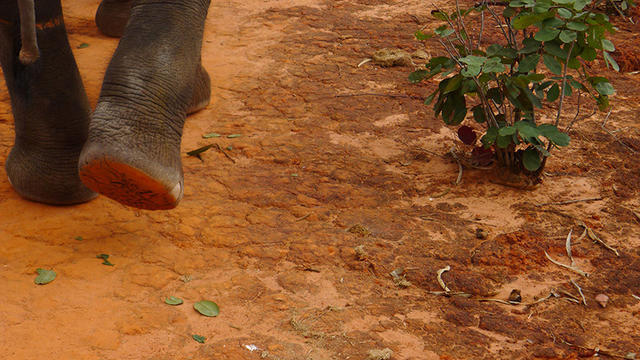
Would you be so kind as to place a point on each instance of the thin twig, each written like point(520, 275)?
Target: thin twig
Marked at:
point(440, 281)
point(386, 95)
point(615, 6)
point(551, 294)
point(570, 201)
point(636, 297)
point(455, 29)
point(459, 166)
point(613, 135)
point(597, 351)
point(495, 17)
point(569, 267)
point(584, 301)
point(592, 235)
point(464, 28)
point(225, 153)
point(499, 301)
point(481, 25)
point(564, 84)
point(364, 61)
point(567, 245)
point(450, 293)
point(303, 217)
point(568, 294)
point(575, 118)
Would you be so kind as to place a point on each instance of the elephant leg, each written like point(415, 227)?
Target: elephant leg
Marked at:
point(201, 91)
point(112, 16)
point(50, 108)
point(133, 151)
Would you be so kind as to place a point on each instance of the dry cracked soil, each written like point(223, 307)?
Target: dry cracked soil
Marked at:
point(338, 177)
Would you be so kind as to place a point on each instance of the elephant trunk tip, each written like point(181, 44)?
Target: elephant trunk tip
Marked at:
point(29, 52)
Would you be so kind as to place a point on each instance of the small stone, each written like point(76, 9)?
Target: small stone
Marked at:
point(391, 57)
point(421, 54)
point(361, 254)
point(481, 234)
point(515, 296)
point(384, 354)
point(602, 299)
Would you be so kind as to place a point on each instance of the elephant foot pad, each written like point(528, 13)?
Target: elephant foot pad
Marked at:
point(128, 185)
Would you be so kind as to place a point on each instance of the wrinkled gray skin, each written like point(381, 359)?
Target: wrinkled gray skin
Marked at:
point(50, 109)
point(112, 16)
point(153, 80)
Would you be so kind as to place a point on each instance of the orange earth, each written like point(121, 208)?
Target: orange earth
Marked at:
point(340, 176)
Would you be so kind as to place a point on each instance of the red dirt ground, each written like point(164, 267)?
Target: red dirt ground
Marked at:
point(270, 232)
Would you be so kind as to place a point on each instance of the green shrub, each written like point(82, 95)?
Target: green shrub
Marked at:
point(543, 56)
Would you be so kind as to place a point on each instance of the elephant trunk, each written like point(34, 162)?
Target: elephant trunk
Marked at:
point(29, 52)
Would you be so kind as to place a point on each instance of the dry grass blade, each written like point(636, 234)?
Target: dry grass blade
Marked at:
point(440, 281)
point(569, 267)
point(364, 61)
point(225, 153)
point(569, 295)
point(450, 293)
point(592, 235)
point(584, 300)
point(499, 301)
point(637, 214)
point(636, 297)
point(455, 157)
point(551, 294)
point(567, 245)
point(570, 201)
point(584, 233)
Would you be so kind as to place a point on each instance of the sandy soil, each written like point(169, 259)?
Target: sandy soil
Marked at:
point(323, 168)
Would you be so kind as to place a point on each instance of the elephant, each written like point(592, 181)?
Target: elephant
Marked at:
point(128, 149)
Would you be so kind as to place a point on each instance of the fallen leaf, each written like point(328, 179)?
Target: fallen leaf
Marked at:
point(207, 308)
point(172, 300)
point(44, 276)
point(199, 338)
point(211, 135)
point(199, 151)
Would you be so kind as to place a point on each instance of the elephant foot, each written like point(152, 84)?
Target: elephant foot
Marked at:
point(153, 80)
point(124, 180)
point(45, 178)
point(201, 91)
point(112, 16)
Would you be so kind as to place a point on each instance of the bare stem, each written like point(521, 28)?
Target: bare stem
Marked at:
point(564, 83)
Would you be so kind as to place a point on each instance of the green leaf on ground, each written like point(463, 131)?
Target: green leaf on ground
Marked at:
point(199, 338)
point(172, 300)
point(104, 257)
point(232, 136)
point(211, 135)
point(79, 238)
point(207, 308)
point(44, 276)
point(199, 151)
point(83, 45)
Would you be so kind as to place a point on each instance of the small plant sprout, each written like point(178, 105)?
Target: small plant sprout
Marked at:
point(507, 82)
